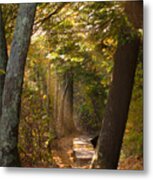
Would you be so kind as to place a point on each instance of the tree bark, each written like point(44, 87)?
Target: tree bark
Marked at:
point(13, 86)
point(48, 89)
point(116, 114)
point(134, 11)
point(68, 104)
point(56, 95)
point(115, 117)
point(65, 121)
point(3, 57)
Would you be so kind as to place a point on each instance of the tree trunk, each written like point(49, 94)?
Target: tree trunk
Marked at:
point(48, 89)
point(115, 117)
point(65, 122)
point(13, 86)
point(134, 11)
point(60, 118)
point(116, 114)
point(3, 57)
point(56, 95)
point(68, 105)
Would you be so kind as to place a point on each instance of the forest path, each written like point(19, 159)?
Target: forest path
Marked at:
point(76, 151)
point(73, 151)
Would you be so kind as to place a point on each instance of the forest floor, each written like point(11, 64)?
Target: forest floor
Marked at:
point(76, 151)
point(131, 163)
point(64, 156)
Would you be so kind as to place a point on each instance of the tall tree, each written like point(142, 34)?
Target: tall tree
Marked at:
point(3, 57)
point(13, 86)
point(68, 104)
point(65, 116)
point(116, 113)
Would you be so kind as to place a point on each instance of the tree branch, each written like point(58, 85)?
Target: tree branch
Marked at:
point(59, 8)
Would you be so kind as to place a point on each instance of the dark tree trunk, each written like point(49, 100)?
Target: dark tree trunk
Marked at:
point(68, 104)
point(115, 117)
point(134, 11)
point(116, 114)
point(13, 86)
point(3, 57)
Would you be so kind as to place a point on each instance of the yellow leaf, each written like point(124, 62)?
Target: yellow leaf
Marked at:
point(44, 96)
point(2, 71)
point(33, 133)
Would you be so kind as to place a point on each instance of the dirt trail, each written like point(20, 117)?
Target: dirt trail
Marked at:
point(75, 152)
point(64, 155)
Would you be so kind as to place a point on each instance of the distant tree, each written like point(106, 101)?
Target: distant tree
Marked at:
point(13, 86)
point(65, 123)
point(116, 113)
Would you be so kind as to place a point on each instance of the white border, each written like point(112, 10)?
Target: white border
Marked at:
point(30, 1)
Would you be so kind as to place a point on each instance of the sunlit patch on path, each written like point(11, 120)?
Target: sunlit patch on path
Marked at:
point(83, 150)
point(73, 152)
